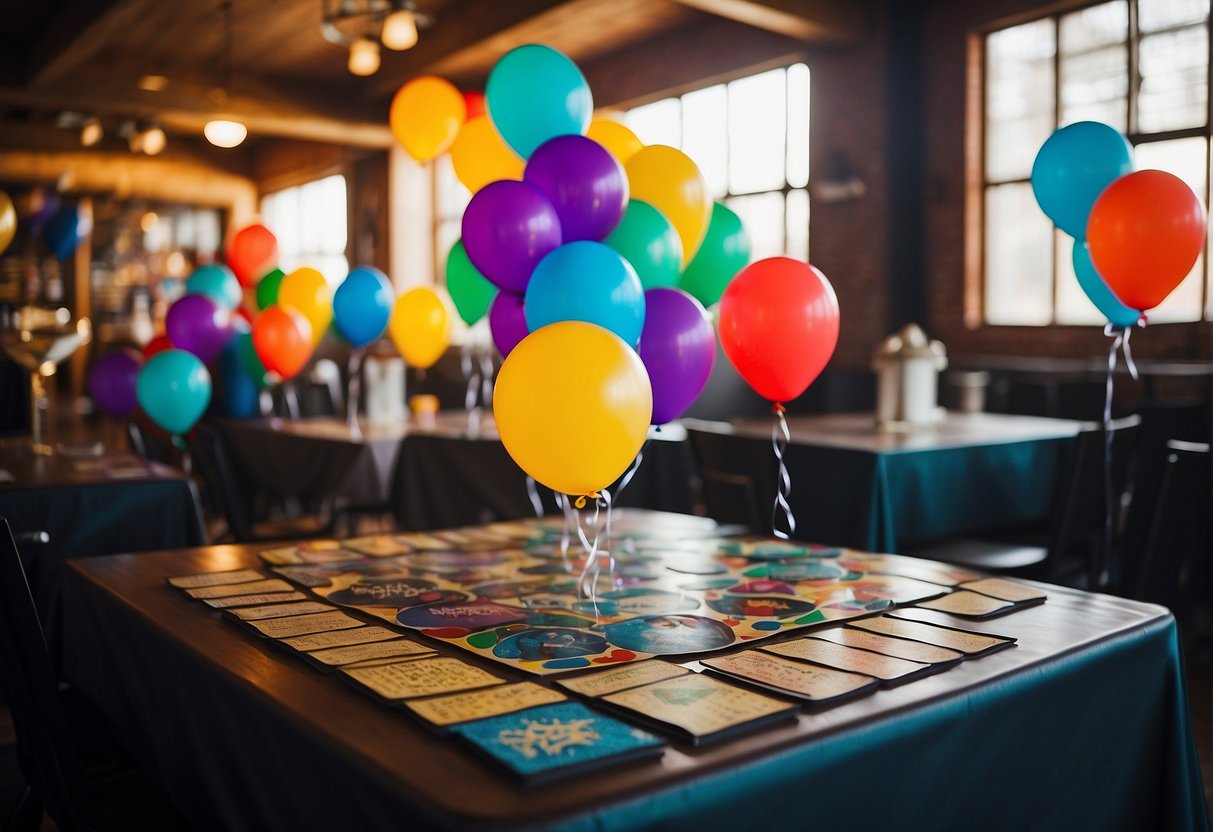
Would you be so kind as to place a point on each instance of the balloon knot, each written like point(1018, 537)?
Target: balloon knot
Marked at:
point(1143, 320)
point(580, 501)
point(777, 408)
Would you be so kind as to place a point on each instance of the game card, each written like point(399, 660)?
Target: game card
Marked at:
point(247, 588)
point(701, 706)
point(422, 677)
point(901, 648)
point(397, 648)
point(254, 600)
point(377, 546)
point(1006, 590)
point(971, 644)
point(311, 551)
point(968, 604)
point(302, 625)
point(481, 704)
point(339, 638)
point(279, 610)
point(621, 678)
point(804, 681)
point(215, 578)
point(840, 657)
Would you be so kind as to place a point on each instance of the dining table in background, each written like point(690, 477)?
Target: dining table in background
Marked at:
point(854, 484)
point(1084, 723)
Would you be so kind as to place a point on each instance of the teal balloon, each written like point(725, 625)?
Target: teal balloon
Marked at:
point(267, 288)
point(362, 305)
point(174, 390)
point(725, 251)
point(218, 283)
point(586, 281)
point(469, 289)
point(1098, 291)
point(647, 240)
point(1073, 167)
point(535, 93)
point(239, 396)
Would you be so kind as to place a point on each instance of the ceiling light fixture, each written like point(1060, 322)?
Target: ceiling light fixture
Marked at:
point(154, 140)
point(91, 132)
point(153, 83)
point(364, 25)
point(225, 132)
point(222, 132)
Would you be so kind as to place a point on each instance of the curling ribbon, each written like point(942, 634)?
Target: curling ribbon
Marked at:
point(1120, 343)
point(779, 441)
point(631, 472)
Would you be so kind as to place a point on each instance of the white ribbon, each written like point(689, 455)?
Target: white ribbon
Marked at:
point(780, 437)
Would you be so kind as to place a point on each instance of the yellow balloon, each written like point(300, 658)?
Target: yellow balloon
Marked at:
point(306, 291)
point(426, 115)
point(668, 180)
point(420, 326)
point(572, 406)
point(616, 137)
point(480, 156)
point(8, 221)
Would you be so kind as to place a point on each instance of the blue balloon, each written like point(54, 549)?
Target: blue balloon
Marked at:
point(63, 232)
point(362, 305)
point(239, 395)
point(535, 93)
point(1098, 291)
point(218, 283)
point(1073, 167)
point(174, 389)
point(586, 281)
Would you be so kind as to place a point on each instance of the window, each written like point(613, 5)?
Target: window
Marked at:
point(450, 200)
point(310, 222)
point(1140, 66)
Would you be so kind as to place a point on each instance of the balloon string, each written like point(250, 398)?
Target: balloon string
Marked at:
point(533, 493)
point(353, 390)
point(472, 377)
point(570, 520)
point(631, 472)
point(187, 462)
point(780, 437)
point(486, 378)
point(1120, 343)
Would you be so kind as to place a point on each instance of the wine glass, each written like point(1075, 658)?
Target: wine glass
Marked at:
point(39, 340)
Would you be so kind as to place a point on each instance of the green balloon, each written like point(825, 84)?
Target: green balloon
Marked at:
point(647, 240)
point(267, 288)
point(250, 362)
point(725, 252)
point(468, 288)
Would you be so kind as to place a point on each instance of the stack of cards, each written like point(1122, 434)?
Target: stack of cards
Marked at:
point(453, 709)
point(419, 677)
point(890, 670)
point(986, 598)
point(972, 645)
point(810, 683)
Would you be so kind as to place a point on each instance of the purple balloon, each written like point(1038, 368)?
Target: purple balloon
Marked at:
point(507, 322)
point(111, 381)
point(678, 348)
point(198, 325)
point(508, 227)
point(585, 183)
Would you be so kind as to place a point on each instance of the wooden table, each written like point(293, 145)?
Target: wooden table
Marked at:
point(1082, 725)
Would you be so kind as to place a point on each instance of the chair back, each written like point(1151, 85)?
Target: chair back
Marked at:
point(1174, 568)
point(49, 758)
point(738, 474)
point(1080, 521)
point(218, 474)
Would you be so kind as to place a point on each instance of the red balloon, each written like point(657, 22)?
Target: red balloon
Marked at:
point(474, 101)
point(158, 344)
point(251, 253)
point(779, 326)
point(1144, 233)
point(282, 339)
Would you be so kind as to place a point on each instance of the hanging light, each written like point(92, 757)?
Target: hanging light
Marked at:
point(154, 140)
point(400, 30)
point(364, 57)
point(222, 132)
point(225, 132)
point(91, 132)
point(365, 25)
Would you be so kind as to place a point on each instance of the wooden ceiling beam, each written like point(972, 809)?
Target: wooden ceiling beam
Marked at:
point(806, 20)
point(76, 33)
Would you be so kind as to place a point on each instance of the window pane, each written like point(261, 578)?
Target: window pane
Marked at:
point(450, 196)
point(1018, 257)
point(798, 125)
point(1019, 97)
point(798, 224)
point(1095, 86)
point(444, 239)
point(705, 135)
point(1174, 80)
point(757, 127)
point(657, 123)
point(1094, 27)
point(762, 216)
point(1153, 15)
point(1073, 305)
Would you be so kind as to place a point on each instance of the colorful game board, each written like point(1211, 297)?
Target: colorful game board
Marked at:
point(508, 593)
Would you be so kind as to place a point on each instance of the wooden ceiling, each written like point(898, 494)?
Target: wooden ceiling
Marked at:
point(88, 56)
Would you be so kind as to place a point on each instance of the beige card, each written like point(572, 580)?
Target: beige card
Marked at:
point(279, 610)
point(375, 650)
point(302, 625)
point(1006, 590)
point(901, 648)
point(339, 638)
point(249, 588)
point(621, 678)
point(480, 704)
point(841, 657)
point(422, 677)
point(312, 551)
point(215, 578)
point(254, 600)
point(417, 540)
point(699, 704)
point(966, 642)
point(803, 680)
point(967, 603)
point(378, 546)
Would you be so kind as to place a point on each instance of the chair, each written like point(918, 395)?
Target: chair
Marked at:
point(1076, 539)
point(738, 475)
point(227, 494)
point(73, 768)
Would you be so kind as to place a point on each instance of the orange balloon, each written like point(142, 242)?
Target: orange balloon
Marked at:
point(474, 101)
point(1145, 233)
point(426, 115)
point(282, 339)
point(480, 156)
point(616, 137)
point(252, 252)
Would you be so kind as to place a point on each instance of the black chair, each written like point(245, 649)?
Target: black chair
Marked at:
point(1073, 547)
point(225, 491)
point(73, 768)
point(738, 475)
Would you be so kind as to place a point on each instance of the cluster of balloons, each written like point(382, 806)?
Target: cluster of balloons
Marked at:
point(210, 330)
point(61, 227)
point(1137, 234)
